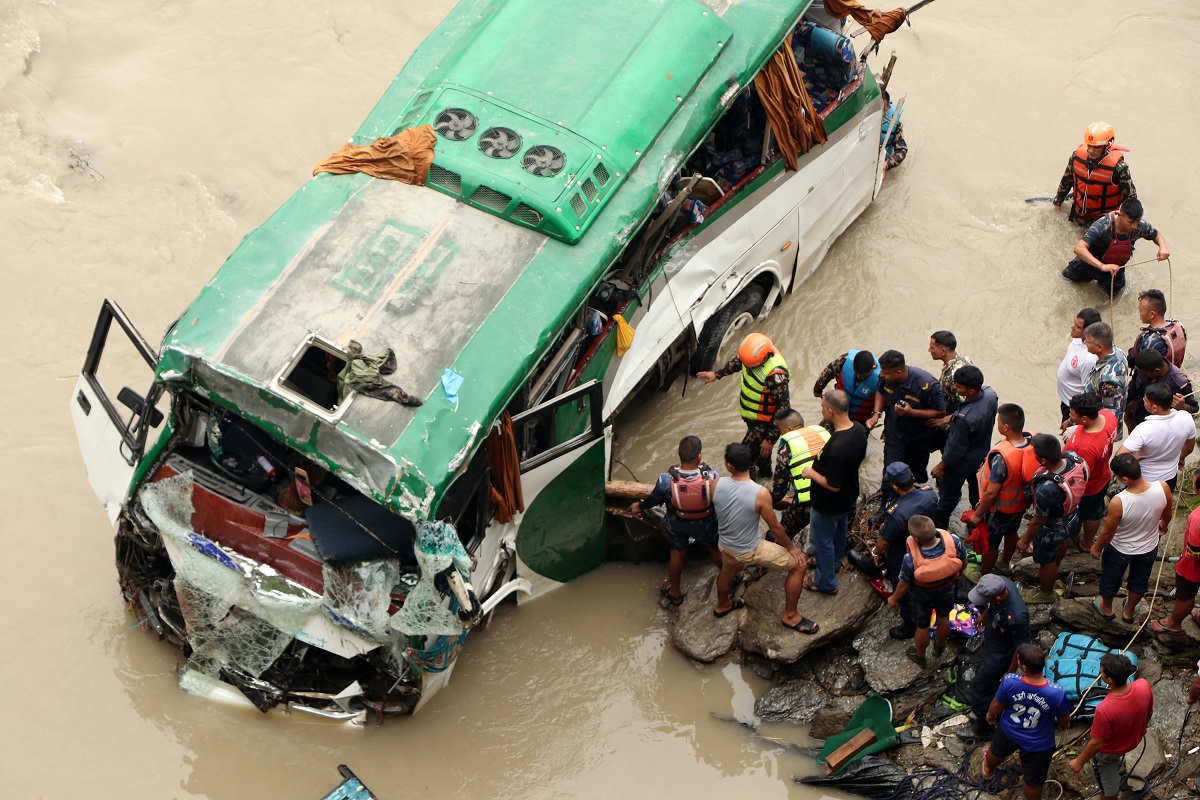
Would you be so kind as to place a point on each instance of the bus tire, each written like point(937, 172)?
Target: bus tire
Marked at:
point(729, 322)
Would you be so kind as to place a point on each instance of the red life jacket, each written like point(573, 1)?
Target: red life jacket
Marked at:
point(1174, 338)
point(1120, 248)
point(1072, 480)
point(938, 572)
point(1022, 466)
point(691, 495)
point(1095, 192)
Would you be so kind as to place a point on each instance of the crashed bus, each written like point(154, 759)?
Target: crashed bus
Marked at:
point(391, 408)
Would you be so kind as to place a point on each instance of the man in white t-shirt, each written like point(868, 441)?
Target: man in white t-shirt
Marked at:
point(1136, 518)
point(1076, 364)
point(1164, 439)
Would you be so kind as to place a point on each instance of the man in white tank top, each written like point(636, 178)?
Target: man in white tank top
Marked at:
point(1136, 518)
point(740, 503)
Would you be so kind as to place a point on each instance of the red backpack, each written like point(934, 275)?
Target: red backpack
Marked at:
point(691, 495)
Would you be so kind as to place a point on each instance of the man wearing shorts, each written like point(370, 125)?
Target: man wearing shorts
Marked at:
point(931, 566)
point(1025, 709)
point(1119, 725)
point(1092, 440)
point(1004, 490)
point(1057, 489)
point(1187, 574)
point(740, 503)
point(1137, 517)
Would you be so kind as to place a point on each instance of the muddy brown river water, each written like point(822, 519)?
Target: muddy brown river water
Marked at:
point(141, 139)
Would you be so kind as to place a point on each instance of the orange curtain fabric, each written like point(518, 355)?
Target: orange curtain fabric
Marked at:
point(506, 471)
point(404, 157)
point(877, 23)
point(796, 124)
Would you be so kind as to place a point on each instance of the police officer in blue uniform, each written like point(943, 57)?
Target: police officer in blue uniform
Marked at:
point(911, 500)
point(911, 398)
point(1005, 627)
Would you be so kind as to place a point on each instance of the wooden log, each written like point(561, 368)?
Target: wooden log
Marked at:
point(628, 490)
point(840, 757)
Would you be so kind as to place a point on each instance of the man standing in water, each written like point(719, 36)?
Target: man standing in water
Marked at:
point(1107, 246)
point(765, 390)
point(1097, 175)
point(740, 503)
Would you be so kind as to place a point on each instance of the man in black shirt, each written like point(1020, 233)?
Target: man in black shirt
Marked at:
point(834, 477)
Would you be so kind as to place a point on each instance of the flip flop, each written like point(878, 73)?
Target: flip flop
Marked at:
point(1158, 627)
point(664, 589)
point(811, 586)
point(734, 605)
point(1101, 614)
point(805, 626)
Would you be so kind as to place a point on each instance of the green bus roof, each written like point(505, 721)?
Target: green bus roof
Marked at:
point(446, 285)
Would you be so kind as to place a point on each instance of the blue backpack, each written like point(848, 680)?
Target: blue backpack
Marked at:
point(1074, 664)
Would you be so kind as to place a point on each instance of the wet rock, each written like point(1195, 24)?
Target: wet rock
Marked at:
point(1147, 761)
point(917, 700)
point(838, 615)
point(829, 721)
point(1079, 615)
point(1176, 649)
point(794, 701)
point(1039, 617)
point(915, 757)
point(1170, 707)
point(882, 657)
point(694, 629)
point(1085, 569)
point(1149, 665)
point(1045, 639)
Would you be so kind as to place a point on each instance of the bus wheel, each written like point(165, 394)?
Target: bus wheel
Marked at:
point(727, 327)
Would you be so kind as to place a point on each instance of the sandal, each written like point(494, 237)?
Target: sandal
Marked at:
point(1100, 613)
point(734, 605)
point(805, 626)
point(811, 586)
point(1128, 620)
point(664, 589)
point(1157, 626)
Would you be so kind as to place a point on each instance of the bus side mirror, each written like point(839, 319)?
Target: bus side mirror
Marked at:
point(137, 404)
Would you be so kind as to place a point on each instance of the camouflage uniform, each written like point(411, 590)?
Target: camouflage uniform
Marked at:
point(795, 516)
point(758, 432)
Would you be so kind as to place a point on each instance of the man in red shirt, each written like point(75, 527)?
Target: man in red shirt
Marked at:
point(1119, 724)
point(1187, 574)
point(1092, 440)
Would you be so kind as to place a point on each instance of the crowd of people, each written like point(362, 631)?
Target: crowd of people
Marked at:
point(789, 475)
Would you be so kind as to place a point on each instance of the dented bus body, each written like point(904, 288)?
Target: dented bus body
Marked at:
point(313, 546)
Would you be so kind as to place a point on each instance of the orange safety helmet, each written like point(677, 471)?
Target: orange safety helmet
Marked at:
point(1099, 134)
point(754, 349)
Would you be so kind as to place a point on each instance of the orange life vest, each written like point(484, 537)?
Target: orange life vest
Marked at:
point(937, 572)
point(1022, 464)
point(1095, 192)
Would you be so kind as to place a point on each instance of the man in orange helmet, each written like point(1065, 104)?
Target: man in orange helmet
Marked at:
point(1097, 175)
point(764, 391)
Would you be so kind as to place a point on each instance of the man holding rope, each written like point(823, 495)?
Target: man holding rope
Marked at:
point(1119, 724)
point(1107, 246)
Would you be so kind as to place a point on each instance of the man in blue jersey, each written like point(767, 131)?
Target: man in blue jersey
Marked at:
point(1025, 709)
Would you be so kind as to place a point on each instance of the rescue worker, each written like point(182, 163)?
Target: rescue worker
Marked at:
point(1004, 490)
point(910, 396)
point(943, 347)
point(1005, 628)
point(1096, 175)
point(798, 447)
point(687, 491)
point(1167, 336)
point(1109, 377)
point(856, 373)
point(911, 500)
point(967, 442)
point(741, 504)
point(765, 378)
point(891, 134)
point(1057, 487)
point(1150, 367)
point(1107, 246)
point(1077, 364)
point(932, 564)
point(1092, 440)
